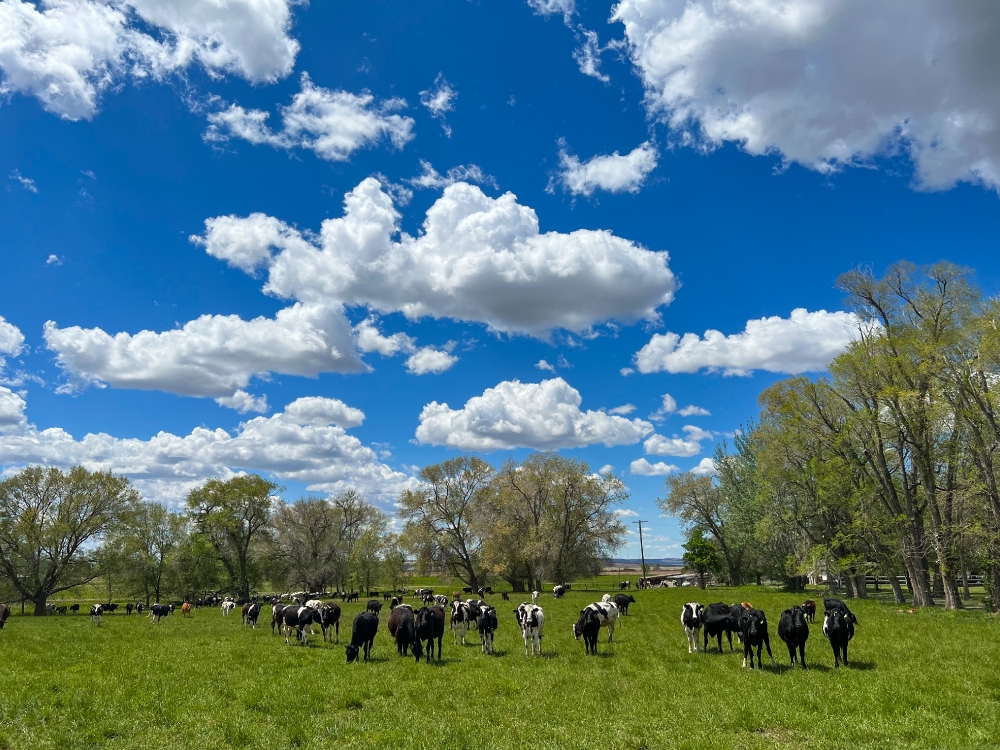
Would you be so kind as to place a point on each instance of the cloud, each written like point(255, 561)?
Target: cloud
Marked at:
point(66, 53)
point(626, 371)
point(543, 365)
point(478, 259)
point(667, 407)
point(53, 260)
point(244, 402)
point(623, 409)
point(694, 411)
point(213, 356)
point(613, 174)
point(11, 339)
point(431, 178)
point(804, 342)
point(546, 8)
point(642, 467)
point(588, 54)
point(827, 83)
point(429, 359)
point(658, 445)
point(705, 467)
point(26, 182)
point(331, 123)
point(626, 512)
point(605, 469)
point(306, 442)
point(543, 416)
point(440, 100)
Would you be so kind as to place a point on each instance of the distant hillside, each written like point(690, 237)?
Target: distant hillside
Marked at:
point(663, 562)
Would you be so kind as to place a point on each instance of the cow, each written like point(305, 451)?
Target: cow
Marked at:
point(185, 609)
point(228, 606)
point(374, 606)
point(794, 631)
point(353, 596)
point(488, 624)
point(139, 607)
point(481, 592)
point(623, 585)
point(718, 619)
point(329, 617)
point(95, 614)
point(504, 595)
point(158, 611)
point(430, 625)
point(395, 602)
point(488, 590)
point(4, 614)
point(403, 630)
point(50, 609)
point(461, 614)
point(692, 616)
point(809, 609)
point(531, 620)
point(588, 626)
point(110, 607)
point(622, 601)
point(74, 607)
point(607, 615)
point(754, 629)
point(558, 591)
point(362, 635)
point(441, 600)
point(467, 589)
point(128, 608)
point(372, 593)
point(386, 596)
point(62, 610)
point(421, 593)
point(606, 598)
point(298, 619)
point(276, 619)
point(534, 596)
point(249, 618)
point(838, 627)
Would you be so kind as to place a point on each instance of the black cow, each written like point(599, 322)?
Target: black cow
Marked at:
point(504, 595)
point(754, 629)
point(374, 606)
point(838, 627)
point(157, 611)
point(128, 608)
point(95, 614)
point(404, 631)
point(430, 625)
point(794, 631)
point(386, 596)
point(4, 614)
point(276, 616)
point(467, 589)
point(622, 601)
point(558, 591)
point(110, 607)
point(74, 607)
point(362, 635)
point(329, 617)
point(251, 615)
point(718, 619)
point(588, 626)
point(353, 596)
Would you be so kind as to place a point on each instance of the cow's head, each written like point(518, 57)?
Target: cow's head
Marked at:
point(754, 622)
point(352, 653)
point(418, 649)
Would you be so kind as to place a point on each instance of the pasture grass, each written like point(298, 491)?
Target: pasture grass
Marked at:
point(922, 680)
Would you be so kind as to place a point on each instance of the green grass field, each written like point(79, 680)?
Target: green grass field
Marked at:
point(924, 680)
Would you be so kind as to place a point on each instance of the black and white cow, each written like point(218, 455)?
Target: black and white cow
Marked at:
point(362, 636)
point(534, 596)
point(329, 617)
point(474, 607)
point(95, 614)
point(158, 611)
point(252, 613)
point(558, 591)
point(276, 619)
point(488, 624)
point(692, 615)
point(299, 619)
point(838, 627)
point(716, 620)
point(588, 627)
point(228, 606)
point(531, 620)
point(794, 631)
point(461, 615)
point(754, 629)
point(622, 601)
point(430, 625)
point(607, 615)
point(403, 630)
point(441, 600)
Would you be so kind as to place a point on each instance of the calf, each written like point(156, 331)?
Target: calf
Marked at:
point(534, 596)
point(403, 630)
point(838, 627)
point(276, 619)
point(692, 615)
point(185, 609)
point(809, 609)
point(4, 614)
point(158, 611)
point(329, 617)
point(607, 616)
point(558, 591)
point(228, 606)
point(362, 636)
point(374, 606)
point(430, 625)
point(250, 618)
point(718, 619)
point(95, 614)
point(487, 627)
point(794, 631)
point(754, 629)
point(588, 626)
point(531, 620)
point(622, 601)
point(461, 614)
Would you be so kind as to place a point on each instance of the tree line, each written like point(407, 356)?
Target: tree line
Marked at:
point(545, 518)
point(888, 465)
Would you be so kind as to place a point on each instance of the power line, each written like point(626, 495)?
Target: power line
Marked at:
point(642, 551)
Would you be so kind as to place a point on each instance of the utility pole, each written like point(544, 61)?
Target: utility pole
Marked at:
point(641, 550)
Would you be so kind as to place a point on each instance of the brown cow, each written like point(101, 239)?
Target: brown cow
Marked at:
point(185, 610)
point(809, 608)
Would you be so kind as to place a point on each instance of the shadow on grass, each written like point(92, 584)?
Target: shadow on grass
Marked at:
point(862, 666)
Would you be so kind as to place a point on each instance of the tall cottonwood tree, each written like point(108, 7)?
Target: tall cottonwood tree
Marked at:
point(49, 522)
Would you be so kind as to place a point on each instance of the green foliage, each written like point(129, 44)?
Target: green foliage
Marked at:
point(701, 556)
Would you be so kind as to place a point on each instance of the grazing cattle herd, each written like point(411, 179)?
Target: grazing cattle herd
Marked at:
point(415, 632)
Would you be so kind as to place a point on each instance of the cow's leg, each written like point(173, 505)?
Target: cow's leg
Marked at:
point(729, 637)
point(845, 653)
point(767, 642)
point(746, 649)
point(802, 654)
point(705, 648)
point(611, 631)
point(791, 653)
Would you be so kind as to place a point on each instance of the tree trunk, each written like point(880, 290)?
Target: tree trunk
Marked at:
point(40, 605)
point(849, 580)
point(897, 590)
point(919, 583)
point(701, 579)
point(860, 587)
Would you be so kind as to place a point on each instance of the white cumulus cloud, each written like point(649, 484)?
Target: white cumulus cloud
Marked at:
point(429, 359)
point(11, 339)
point(478, 259)
point(705, 467)
point(694, 411)
point(827, 83)
point(804, 342)
point(613, 173)
point(331, 123)
point(306, 442)
point(644, 468)
point(431, 178)
point(66, 53)
point(439, 100)
point(684, 447)
point(543, 416)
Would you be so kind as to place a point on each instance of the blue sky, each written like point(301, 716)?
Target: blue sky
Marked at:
point(685, 176)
